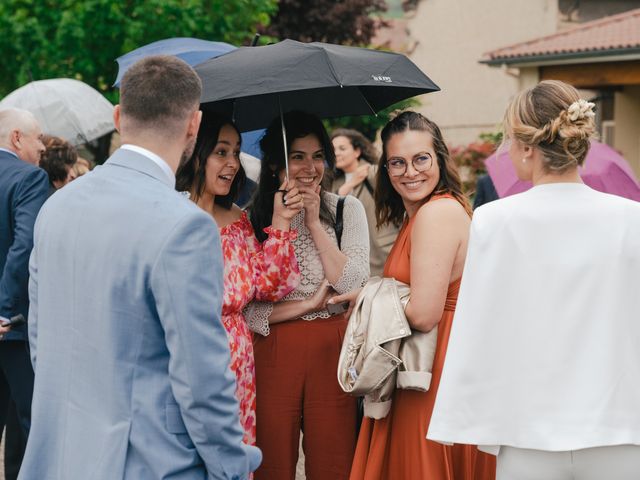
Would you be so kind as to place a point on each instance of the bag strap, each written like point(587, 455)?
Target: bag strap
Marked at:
point(339, 223)
point(368, 186)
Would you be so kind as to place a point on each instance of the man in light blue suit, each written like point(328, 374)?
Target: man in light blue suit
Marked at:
point(131, 359)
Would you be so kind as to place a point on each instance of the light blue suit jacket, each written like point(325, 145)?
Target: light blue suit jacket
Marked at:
point(131, 357)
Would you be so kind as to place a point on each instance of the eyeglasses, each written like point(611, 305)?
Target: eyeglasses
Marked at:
point(398, 166)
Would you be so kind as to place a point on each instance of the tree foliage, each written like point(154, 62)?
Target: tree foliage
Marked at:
point(82, 38)
point(348, 22)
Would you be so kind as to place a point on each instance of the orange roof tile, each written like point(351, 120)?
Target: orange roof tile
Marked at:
point(608, 35)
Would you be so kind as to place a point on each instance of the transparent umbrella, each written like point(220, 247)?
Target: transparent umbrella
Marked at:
point(65, 107)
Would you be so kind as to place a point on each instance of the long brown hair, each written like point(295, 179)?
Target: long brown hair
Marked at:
point(389, 204)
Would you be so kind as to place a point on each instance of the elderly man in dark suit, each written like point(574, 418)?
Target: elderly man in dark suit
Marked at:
point(23, 190)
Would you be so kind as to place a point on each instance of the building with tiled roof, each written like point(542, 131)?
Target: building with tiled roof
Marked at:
point(616, 35)
point(592, 44)
point(601, 56)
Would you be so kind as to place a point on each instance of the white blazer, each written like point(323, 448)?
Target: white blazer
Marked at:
point(545, 345)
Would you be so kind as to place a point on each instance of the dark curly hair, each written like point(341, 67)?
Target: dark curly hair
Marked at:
point(59, 156)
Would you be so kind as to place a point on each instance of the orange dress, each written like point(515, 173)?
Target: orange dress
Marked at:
point(395, 447)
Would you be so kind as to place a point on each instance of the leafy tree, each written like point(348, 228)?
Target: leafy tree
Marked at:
point(348, 22)
point(82, 38)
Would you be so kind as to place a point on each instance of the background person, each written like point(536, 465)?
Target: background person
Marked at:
point(133, 381)
point(82, 166)
point(58, 161)
point(485, 191)
point(356, 166)
point(23, 190)
point(543, 361)
point(298, 341)
point(265, 271)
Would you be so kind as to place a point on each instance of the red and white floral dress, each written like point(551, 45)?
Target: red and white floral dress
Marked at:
point(265, 272)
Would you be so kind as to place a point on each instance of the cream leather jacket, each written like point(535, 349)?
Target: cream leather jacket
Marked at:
point(380, 352)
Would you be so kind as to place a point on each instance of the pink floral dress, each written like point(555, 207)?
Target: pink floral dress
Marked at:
point(265, 272)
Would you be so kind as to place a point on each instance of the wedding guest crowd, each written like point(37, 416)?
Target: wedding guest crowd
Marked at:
point(210, 342)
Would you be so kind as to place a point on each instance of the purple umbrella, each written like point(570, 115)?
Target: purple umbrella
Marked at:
point(604, 170)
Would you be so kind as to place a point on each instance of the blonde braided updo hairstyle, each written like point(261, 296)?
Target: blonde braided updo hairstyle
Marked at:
point(552, 117)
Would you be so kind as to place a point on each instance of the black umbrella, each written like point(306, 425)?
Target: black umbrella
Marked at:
point(256, 84)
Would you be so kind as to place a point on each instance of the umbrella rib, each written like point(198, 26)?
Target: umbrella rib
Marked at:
point(364, 97)
point(333, 72)
point(335, 76)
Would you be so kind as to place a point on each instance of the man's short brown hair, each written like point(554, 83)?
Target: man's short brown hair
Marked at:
point(159, 93)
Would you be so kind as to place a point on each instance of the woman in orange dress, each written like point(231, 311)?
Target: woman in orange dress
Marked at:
point(418, 187)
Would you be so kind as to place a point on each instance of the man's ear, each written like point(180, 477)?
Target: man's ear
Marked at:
point(116, 117)
point(194, 124)
point(14, 139)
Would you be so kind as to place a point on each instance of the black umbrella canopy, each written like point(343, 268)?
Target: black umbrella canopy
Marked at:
point(254, 84)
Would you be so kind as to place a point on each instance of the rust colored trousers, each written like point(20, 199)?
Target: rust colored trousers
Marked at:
point(297, 389)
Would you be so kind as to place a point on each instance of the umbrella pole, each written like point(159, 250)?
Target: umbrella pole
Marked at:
point(284, 140)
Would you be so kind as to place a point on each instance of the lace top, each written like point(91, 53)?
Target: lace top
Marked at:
point(354, 244)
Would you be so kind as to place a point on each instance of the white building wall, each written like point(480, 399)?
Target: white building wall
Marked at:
point(627, 125)
point(452, 36)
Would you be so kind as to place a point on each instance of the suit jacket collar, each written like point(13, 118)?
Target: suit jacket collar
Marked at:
point(140, 163)
point(8, 153)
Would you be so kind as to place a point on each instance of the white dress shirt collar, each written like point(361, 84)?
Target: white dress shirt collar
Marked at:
point(155, 158)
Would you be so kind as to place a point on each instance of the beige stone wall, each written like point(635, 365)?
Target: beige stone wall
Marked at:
point(627, 125)
point(452, 35)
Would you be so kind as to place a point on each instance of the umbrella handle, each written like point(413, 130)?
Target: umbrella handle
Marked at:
point(284, 140)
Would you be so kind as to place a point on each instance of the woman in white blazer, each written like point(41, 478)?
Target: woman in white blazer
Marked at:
point(543, 365)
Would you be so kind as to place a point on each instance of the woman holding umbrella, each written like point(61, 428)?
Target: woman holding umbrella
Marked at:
point(299, 341)
point(213, 176)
